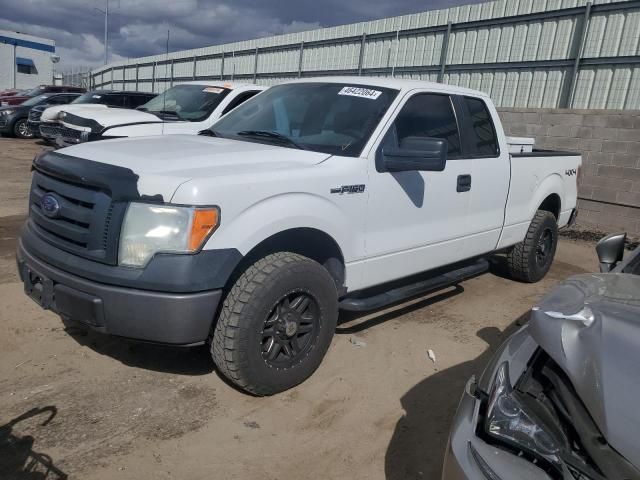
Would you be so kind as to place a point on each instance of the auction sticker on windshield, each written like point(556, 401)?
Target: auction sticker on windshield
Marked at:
point(360, 92)
point(213, 90)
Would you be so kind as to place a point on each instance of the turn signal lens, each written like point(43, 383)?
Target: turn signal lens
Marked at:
point(204, 222)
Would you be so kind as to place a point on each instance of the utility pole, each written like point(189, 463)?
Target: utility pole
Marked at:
point(105, 12)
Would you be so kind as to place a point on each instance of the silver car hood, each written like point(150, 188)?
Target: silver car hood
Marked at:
point(601, 354)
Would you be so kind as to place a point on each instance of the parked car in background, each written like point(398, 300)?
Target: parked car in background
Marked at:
point(186, 108)
point(14, 120)
point(37, 91)
point(10, 92)
point(315, 195)
point(93, 99)
point(559, 398)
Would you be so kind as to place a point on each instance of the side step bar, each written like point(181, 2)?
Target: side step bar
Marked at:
point(362, 304)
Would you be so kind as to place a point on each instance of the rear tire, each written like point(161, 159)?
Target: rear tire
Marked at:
point(276, 324)
point(21, 129)
point(530, 260)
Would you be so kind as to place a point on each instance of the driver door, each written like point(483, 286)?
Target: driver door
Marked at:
point(416, 219)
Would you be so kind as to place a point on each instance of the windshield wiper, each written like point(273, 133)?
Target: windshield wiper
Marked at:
point(272, 136)
point(142, 109)
point(208, 132)
point(165, 113)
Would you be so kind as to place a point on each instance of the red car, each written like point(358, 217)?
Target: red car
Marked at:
point(39, 90)
point(10, 92)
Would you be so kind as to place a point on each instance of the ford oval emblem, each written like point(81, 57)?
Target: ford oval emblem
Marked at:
point(50, 205)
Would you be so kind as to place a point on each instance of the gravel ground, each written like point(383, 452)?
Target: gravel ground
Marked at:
point(81, 406)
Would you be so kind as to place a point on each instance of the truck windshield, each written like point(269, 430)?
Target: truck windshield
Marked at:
point(334, 118)
point(193, 103)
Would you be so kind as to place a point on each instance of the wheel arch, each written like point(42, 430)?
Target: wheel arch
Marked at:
point(548, 196)
point(306, 241)
point(552, 204)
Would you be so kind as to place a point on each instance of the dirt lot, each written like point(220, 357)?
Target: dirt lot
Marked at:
point(100, 408)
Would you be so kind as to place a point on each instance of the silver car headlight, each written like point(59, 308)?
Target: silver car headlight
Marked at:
point(508, 420)
point(149, 229)
point(7, 112)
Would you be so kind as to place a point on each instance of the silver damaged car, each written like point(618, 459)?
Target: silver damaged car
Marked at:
point(560, 399)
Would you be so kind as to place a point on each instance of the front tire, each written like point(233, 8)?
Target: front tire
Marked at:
point(276, 324)
point(21, 129)
point(530, 260)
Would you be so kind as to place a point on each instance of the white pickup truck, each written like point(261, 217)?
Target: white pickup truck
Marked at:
point(315, 195)
point(187, 108)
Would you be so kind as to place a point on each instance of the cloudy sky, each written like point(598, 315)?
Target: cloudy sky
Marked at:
point(139, 27)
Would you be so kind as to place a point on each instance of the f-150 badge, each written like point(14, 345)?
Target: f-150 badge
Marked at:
point(348, 189)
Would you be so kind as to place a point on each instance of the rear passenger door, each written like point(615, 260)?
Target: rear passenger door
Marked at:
point(490, 174)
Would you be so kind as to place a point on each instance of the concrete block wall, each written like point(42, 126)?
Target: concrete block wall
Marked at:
point(609, 141)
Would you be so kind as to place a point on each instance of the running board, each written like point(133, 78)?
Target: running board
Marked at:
point(398, 294)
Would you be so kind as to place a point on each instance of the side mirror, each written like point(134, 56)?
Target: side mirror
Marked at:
point(416, 153)
point(610, 251)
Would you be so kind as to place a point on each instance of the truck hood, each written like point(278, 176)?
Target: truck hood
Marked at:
point(164, 162)
point(86, 119)
point(51, 114)
point(600, 355)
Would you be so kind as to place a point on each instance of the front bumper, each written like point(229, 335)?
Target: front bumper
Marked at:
point(6, 123)
point(177, 312)
point(34, 127)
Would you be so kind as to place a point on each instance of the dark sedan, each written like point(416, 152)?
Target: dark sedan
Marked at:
point(14, 119)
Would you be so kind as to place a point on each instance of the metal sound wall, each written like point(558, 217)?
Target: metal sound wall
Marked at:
point(524, 53)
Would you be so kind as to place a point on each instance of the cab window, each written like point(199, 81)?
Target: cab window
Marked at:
point(241, 98)
point(426, 115)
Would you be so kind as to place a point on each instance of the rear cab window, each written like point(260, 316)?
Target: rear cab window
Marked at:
point(482, 138)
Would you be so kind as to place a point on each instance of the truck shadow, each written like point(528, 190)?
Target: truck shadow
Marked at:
point(418, 444)
point(190, 361)
point(18, 460)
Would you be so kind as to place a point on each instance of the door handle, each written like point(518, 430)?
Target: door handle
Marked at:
point(464, 183)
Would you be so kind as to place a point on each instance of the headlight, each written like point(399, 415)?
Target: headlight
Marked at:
point(149, 229)
point(7, 112)
point(508, 420)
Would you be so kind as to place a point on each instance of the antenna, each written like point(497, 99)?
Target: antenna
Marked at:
point(164, 94)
